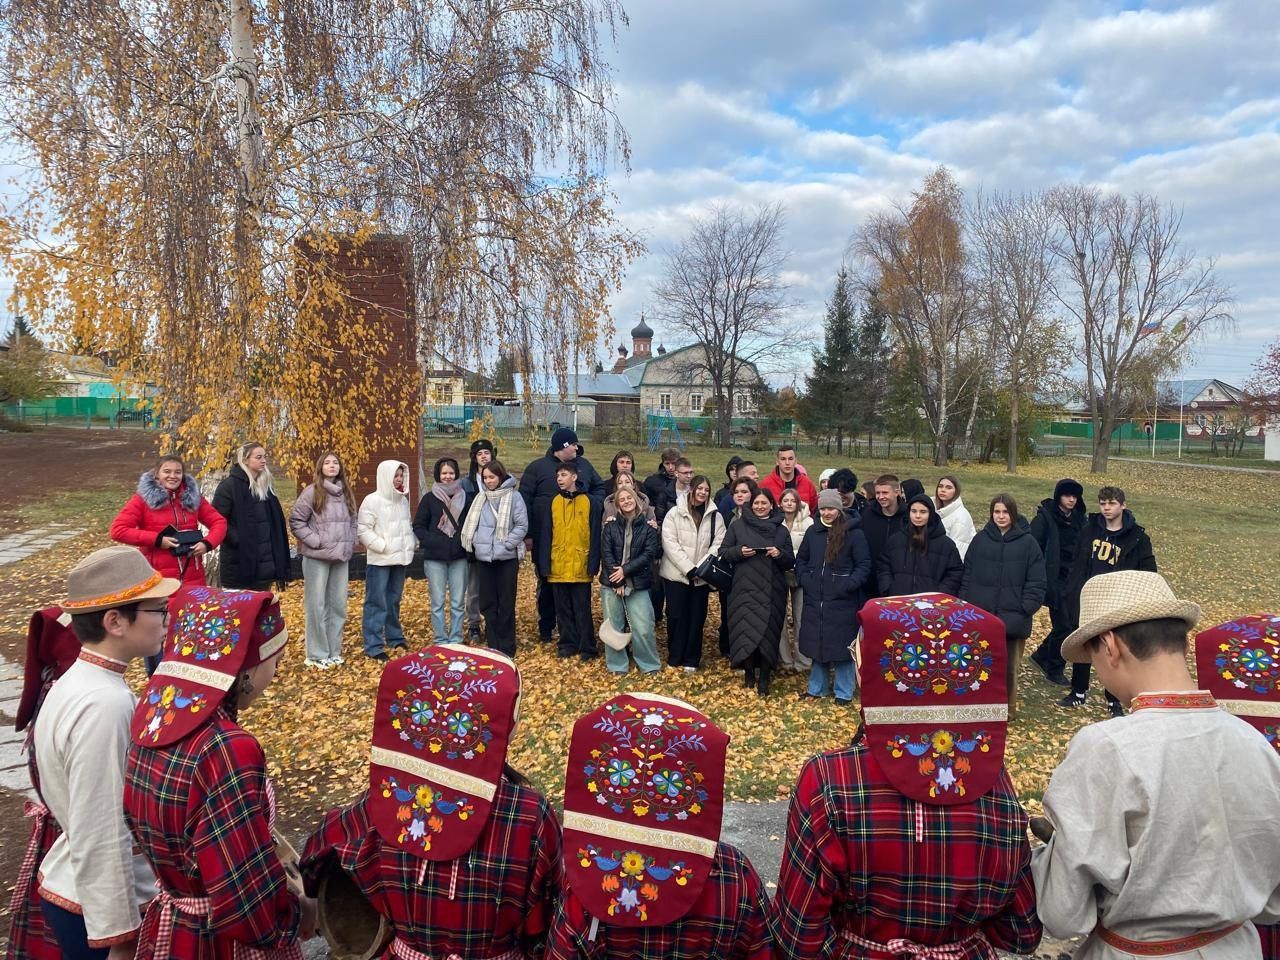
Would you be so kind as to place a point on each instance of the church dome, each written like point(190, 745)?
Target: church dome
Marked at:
point(641, 331)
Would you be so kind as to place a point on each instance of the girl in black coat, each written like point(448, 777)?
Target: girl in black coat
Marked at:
point(920, 558)
point(438, 526)
point(255, 553)
point(833, 566)
point(759, 547)
point(1004, 575)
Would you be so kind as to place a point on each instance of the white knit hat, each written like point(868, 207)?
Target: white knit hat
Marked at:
point(1117, 599)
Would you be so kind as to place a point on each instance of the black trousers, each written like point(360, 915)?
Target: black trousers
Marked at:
point(656, 594)
point(497, 583)
point(1080, 681)
point(686, 617)
point(546, 609)
point(573, 616)
point(724, 623)
point(1049, 653)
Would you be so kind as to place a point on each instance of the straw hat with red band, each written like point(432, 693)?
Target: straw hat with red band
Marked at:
point(113, 577)
point(51, 648)
point(441, 728)
point(214, 636)
point(643, 804)
point(933, 695)
point(1239, 663)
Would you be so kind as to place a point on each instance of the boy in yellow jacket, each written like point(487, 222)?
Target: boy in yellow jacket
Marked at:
point(570, 559)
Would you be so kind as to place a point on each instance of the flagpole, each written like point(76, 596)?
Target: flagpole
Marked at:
point(1155, 421)
point(1182, 397)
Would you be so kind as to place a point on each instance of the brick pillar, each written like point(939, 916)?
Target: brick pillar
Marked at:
point(378, 276)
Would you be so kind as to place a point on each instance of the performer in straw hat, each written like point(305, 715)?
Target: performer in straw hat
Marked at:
point(1164, 835)
point(197, 795)
point(911, 841)
point(91, 883)
point(647, 875)
point(1239, 663)
point(449, 843)
point(52, 648)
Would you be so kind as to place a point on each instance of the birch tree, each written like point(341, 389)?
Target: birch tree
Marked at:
point(1136, 295)
point(184, 153)
point(923, 269)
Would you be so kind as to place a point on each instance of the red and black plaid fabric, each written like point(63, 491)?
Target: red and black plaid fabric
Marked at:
point(861, 859)
point(29, 937)
point(497, 897)
point(198, 809)
point(730, 920)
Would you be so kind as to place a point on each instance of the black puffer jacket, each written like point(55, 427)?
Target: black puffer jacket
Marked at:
point(1004, 575)
point(661, 491)
point(256, 549)
point(833, 592)
point(758, 600)
point(901, 570)
point(879, 530)
point(1058, 534)
point(538, 487)
point(646, 550)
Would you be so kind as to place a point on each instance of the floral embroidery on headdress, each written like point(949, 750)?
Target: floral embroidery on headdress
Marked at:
point(933, 646)
point(164, 704)
point(632, 880)
point(942, 756)
point(646, 767)
point(208, 625)
point(422, 810)
point(1249, 657)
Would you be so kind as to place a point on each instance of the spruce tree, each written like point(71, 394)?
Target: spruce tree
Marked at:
point(829, 393)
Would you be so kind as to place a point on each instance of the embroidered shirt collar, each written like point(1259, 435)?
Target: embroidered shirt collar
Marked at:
point(1174, 700)
point(106, 663)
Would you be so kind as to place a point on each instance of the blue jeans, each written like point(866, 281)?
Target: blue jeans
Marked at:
point(639, 613)
point(845, 681)
point(383, 588)
point(451, 575)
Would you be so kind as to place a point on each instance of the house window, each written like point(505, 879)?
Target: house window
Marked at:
point(743, 405)
point(664, 402)
point(695, 403)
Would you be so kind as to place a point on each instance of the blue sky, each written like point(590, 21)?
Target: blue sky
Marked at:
point(837, 109)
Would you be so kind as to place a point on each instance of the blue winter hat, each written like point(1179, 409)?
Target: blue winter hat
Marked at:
point(563, 439)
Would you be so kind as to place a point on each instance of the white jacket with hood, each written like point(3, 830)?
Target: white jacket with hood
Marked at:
point(958, 523)
point(386, 528)
point(685, 543)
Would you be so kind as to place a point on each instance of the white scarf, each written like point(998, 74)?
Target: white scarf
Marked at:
point(499, 501)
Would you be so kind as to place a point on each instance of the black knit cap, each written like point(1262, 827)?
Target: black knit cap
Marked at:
point(1068, 486)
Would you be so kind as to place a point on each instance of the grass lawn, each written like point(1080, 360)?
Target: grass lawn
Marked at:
point(1214, 534)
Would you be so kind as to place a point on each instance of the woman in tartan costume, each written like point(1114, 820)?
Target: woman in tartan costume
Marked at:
point(647, 876)
point(449, 843)
point(51, 648)
point(197, 796)
point(911, 841)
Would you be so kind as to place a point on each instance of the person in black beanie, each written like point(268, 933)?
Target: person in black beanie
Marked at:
point(1058, 523)
point(538, 487)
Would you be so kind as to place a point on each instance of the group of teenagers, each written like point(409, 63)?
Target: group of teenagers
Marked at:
point(154, 829)
point(793, 559)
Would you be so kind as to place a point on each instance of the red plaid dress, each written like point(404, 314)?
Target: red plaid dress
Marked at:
point(199, 811)
point(863, 861)
point(729, 921)
point(494, 899)
point(29, 937)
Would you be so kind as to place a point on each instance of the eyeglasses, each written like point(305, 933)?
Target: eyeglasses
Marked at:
point(163, 611)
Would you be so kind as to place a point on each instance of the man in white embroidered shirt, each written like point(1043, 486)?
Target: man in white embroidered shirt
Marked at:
point(91, 882)
point(1163, 821)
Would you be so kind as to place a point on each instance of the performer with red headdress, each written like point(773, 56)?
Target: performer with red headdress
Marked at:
point(911, 841)
point(449, 843)
point(647, 875)
point(1239, 663)
point(52, 647)
point(197, 796)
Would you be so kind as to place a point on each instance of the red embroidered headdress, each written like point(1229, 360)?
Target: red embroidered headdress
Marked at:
point(214, 635)
point(440, 733)
point(933, 695)
point(643, 804)
point(1239, 663)
point(52, 647)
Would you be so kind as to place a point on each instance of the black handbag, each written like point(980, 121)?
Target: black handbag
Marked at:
point(713, 569)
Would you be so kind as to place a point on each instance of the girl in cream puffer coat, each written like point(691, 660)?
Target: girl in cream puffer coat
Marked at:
point(386, 530)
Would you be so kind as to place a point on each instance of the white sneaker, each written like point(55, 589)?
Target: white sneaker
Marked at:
point(316, 664)
point(336, 661)
point(690, 669)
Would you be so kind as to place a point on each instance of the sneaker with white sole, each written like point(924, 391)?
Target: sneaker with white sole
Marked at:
point(336, 661)
point(1071, 701)
point(316, 664)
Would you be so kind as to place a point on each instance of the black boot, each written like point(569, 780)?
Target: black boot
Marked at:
point(749, 678)
point(762, 687)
